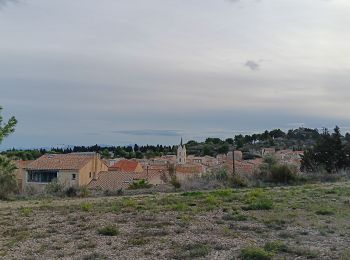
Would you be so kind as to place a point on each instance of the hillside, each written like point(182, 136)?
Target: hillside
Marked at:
point(310, 221)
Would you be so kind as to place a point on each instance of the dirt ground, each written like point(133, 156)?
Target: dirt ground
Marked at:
point(298, 222)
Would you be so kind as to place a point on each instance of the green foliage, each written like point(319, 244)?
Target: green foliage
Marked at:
point(257, 199)
point(109, 230)
point(195, 250)
point(175, 182)
point(238, 181)
point(260, 203)
point(8, 182)
point(105, 154)
point(276, 246)
point(86, 206)
point(140, 184)
point(329, 153)
point(7, 128)
point(71, 192)
point(25, 211)
point(192, 194)
point(255, 253)
point(235, 216)
point(223, 149)
point(83, 191)
point(282, 174)
point(208, 150)
point(325, 211)
point(54, 188)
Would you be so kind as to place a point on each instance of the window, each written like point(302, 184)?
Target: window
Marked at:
point(74, 177)
point(41, 176)
point(90, 175)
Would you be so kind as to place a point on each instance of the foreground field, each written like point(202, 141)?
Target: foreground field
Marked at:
point(311, 221)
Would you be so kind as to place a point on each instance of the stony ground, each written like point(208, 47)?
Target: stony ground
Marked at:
point(300, 222)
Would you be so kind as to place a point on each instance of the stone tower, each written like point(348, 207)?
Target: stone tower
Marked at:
point(181, 154)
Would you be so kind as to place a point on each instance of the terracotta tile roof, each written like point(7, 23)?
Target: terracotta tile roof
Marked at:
point(20, 164)
point(114, 180)
point(125, 166)
point(73, 161)
point(189, 168)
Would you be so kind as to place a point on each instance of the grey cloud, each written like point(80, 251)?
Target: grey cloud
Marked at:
point(150, 132)
point(4, 3)
point(252, 65)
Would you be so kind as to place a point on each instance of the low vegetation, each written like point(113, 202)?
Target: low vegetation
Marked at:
point(109, 230)
point(255, 253)
point(307, 221)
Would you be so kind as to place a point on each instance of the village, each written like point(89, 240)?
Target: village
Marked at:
point(91, 171)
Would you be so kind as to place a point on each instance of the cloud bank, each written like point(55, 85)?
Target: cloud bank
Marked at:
point(74, 67)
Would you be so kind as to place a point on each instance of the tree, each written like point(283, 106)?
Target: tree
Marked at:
point(173, 178)
point(7, 128)
point(276, 133)
point(105, 154)
point(229, 141)
point(223, 149)
point(8, 183)
point(329, 153)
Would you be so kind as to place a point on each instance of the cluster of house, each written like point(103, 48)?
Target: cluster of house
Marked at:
point(88, 169)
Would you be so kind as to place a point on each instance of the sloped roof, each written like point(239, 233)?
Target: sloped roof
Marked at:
point(125, 165)
point(73, 161)
point(20, 164)
point(189, 168)
point(114, 180)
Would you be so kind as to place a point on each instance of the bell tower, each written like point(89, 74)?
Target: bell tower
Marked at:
point(181, 153)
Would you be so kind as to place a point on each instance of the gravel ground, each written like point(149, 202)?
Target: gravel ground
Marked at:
point(311, 221)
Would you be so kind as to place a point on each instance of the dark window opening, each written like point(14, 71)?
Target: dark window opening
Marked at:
point(74, 176)
point(42, 176)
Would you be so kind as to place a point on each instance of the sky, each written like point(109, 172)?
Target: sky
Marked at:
point(120, 72)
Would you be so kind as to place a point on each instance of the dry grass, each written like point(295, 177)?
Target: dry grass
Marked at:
point(310, 221)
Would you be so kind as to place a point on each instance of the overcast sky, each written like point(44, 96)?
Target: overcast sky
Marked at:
point(135, 71)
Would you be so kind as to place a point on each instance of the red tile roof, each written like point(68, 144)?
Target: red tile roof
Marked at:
point(125, 166)
point(73, 161)
point(20, 164)
point(114, 180)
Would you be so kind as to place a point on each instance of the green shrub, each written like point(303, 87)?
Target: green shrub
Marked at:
point(8, 183)
point(84, 192)
point(86, 206)
point(26, 211)
point(71, 192)
point(282, 174)
point(140, 184)
point(260, 203)
point(175, 182)
point(191, 251)
point(255, 253)
point(238, 181)
point(235, 217)
point(54, 188)
point(325, 211)
point(192, 194)
point(109, 230)
point(276, 246)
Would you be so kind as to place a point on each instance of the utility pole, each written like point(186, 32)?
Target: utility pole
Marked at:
point(233, 161)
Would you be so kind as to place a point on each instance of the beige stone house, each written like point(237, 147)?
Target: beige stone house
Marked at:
point(75, 169)
point(20, 173)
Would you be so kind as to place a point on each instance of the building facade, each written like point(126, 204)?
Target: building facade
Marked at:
point(181, 157)
point(70, 170)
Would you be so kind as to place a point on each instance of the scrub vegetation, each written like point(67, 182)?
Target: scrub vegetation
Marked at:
point(307, 221)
